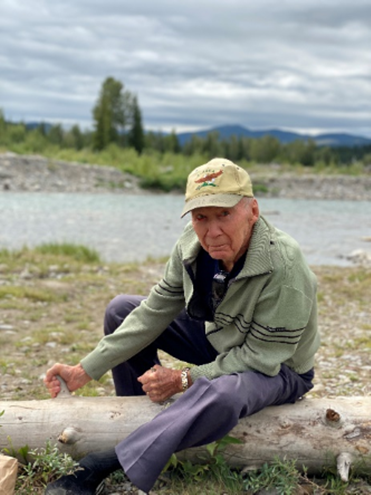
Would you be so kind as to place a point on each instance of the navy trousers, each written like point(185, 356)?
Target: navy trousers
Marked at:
point(206, 412)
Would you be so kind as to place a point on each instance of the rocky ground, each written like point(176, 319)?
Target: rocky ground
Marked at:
point(55, 313)
point(51, 310)
point(35, 174)
point(312, 186)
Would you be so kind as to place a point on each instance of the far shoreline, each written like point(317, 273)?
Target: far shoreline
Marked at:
point(33, 173)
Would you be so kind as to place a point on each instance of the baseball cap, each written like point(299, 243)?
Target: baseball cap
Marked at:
point(219, 182)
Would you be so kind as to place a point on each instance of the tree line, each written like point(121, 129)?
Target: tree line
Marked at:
point(117, 121)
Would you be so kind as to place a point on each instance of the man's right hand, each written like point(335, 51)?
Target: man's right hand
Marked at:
point(74, 376)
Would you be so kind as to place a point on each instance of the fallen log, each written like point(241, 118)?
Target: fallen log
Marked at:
point(316, 433)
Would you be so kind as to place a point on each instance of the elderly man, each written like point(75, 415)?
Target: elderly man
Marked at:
point(237, 302)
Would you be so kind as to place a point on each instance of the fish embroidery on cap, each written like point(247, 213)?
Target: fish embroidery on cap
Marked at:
point(208, 180)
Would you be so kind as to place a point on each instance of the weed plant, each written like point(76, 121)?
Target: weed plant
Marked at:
point(40, 467)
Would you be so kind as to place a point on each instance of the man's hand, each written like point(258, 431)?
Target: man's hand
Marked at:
point(160, 383)
point(74, 376)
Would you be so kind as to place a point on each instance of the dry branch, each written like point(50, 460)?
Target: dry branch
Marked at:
point(316, 433)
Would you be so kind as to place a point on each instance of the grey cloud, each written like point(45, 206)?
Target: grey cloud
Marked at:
point(292, 64)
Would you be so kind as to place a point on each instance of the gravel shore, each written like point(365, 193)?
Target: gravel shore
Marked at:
point(36, 173)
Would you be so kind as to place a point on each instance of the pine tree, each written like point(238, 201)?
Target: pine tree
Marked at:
point(136, 134)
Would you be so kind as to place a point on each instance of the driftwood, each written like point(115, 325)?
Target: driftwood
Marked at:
point(316, 433)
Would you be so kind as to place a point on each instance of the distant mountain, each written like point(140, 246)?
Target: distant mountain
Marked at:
point(226, 131)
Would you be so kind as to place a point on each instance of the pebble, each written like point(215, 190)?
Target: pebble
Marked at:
point(52, 345)
point(6, 327)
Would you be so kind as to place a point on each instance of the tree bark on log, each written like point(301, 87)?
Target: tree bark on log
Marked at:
point(316, 433)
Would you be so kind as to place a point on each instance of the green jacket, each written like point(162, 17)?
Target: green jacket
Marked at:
point(267, 317)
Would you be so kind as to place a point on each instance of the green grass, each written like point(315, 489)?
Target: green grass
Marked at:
point(32, 293)
point(45, 259)
point(75, 251)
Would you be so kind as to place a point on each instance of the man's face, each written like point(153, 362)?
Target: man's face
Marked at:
point(225, 232)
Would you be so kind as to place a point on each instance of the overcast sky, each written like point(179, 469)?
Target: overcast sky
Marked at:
point(302, 65)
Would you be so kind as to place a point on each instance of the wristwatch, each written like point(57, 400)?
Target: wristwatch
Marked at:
point(184, 378)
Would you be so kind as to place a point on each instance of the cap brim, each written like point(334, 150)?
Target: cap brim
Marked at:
point(219, 200)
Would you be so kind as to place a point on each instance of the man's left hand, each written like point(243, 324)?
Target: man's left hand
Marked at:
point(160, 383)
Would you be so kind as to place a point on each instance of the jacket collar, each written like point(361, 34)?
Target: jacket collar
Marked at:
point(258, 259)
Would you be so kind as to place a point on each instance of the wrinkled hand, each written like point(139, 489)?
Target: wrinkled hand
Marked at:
point(74, 376)
point(160, 383)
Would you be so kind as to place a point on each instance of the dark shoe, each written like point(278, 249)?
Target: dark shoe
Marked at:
point(68, 486)
point(89, 480)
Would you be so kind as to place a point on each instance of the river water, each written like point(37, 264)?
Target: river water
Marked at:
point(133, 227)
